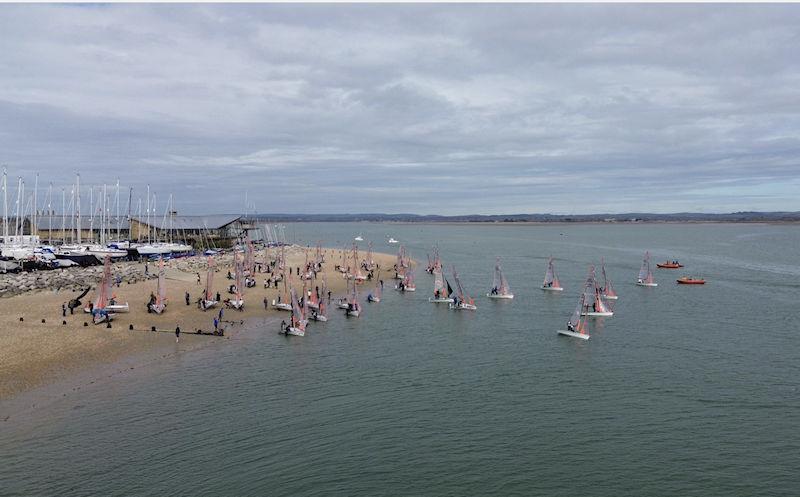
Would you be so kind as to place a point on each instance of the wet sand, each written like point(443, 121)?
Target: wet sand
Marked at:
point(33, 353)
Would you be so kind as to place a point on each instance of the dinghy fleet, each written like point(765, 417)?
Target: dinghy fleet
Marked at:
point(595, 299)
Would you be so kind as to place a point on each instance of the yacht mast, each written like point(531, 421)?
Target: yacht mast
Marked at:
point(78, 207)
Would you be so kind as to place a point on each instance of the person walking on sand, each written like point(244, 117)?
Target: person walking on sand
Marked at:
point(177, 333)
point(221, 310)
point(216, 325)
point(266, 303)
point(187, 298)
point(64, 310)
point(198, 278)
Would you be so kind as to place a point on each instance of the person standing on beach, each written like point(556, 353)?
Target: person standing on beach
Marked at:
point(186, 296)
point(198, 278)
point(216, 325)
point(177, 333)
point(266, 303)
point(146, 269)
point(220, 313)
point(64, 310)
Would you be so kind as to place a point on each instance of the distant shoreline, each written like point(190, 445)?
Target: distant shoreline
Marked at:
point(535, 223)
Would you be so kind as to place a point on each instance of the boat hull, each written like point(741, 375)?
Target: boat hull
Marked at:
point(208, 304)
point(440, 301)
point(463, 307)
point(552, 289)
point(500, 296)
point(647, 284)
point(573, 334)
point(354, 314)
point(81, 259)
point(610, 297)
point(295, 332)
point(691, 282)
point(282, 306)
point(118, 307)
point(596, 314)
point(318, 317)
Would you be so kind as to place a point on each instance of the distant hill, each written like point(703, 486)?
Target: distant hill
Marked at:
point(631, 217)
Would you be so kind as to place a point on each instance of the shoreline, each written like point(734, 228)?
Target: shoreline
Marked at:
point(34, 355)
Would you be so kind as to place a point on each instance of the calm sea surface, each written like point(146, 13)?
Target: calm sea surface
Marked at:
point(686, 391)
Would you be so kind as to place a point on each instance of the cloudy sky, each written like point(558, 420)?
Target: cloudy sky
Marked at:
point(449, 109)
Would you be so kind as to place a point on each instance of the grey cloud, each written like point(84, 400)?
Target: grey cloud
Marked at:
point(397, 108)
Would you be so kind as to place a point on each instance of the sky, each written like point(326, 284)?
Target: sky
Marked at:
point(416, 108)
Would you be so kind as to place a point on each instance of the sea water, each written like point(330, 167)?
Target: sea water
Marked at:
point(686, 390)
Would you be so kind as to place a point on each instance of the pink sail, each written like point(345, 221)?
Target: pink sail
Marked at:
point(608, 288)
point(500, 282)
point(645, 272)
point(161, 294)
point(210, 279)
point(550, 277)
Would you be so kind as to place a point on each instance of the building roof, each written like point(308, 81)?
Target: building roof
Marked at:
point(45, 221)
point(213, 222)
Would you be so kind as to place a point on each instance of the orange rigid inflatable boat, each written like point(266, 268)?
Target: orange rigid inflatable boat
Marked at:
point(669, 265)
point(686, 280)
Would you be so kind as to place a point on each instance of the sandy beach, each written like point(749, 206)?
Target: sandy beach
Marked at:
point(37, 348)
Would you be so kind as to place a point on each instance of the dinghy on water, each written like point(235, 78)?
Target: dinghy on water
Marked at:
point(359, 238)
point(595, 305)
point(607, 291)
point(646, 273)
point(576, 326)
point(392, 240)
point(442, 291)
point(462, 301)
point(375, 295)
point(551, 283)
point(297, 324)
point(353, 305)
point(407, 284)
point(319, 313)
point(158, 304)
point(500, 288)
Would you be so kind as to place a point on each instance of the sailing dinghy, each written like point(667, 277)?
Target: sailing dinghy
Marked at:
point(576, 326)
point(500, 288)
point(284, 303)
point(297, 324)
point(646, 273)
point(442, 291)
point(208, 299)
point(160, 303)
point(238, 301)
point(375, 295)
point(607, 291)
point(551, 282)
point(462, 300)
point(100, 307)
point(595, 305)
point(353, 306)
